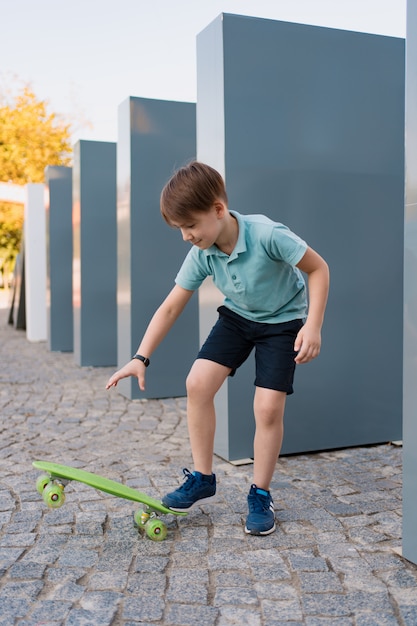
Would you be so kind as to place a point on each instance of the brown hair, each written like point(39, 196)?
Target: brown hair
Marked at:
point(193, 188)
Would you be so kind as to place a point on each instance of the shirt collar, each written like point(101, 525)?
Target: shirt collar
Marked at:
point(240, 243)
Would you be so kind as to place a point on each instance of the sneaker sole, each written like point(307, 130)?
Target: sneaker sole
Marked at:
point(197, 503)
point(259, 533)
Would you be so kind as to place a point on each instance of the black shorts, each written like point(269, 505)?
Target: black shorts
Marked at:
point(233, 338)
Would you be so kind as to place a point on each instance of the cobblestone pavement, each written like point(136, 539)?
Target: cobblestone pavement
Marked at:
point(331, 562)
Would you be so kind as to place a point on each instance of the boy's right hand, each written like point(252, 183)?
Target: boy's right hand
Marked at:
point(133, 368)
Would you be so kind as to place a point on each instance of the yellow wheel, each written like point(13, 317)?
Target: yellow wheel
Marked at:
point(141, 517)
point(53, 496)
point(42, 482)
point(156, 530)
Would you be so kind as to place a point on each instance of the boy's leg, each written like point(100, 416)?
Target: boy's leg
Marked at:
point(203, 382)
point(275, 367)
point(269, 406)
point(269, 417)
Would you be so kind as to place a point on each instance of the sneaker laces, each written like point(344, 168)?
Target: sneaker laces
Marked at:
point(258, 503)
point(189, 480)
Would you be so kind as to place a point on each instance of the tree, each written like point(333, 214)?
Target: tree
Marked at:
point(11, 224)
point(30, 139)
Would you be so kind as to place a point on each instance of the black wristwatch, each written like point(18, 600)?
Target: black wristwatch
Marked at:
point(144, 359)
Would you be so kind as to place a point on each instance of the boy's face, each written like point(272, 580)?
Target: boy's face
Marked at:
point(203, 229)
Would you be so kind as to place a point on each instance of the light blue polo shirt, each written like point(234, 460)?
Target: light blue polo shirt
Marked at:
point(259, 279)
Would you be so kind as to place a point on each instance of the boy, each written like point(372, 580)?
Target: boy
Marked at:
point(256, 264)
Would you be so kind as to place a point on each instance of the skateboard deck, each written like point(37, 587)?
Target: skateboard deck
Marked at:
point(51, 486)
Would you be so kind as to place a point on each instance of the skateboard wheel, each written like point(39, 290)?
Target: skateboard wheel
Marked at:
point(42, 482)
point(156, 530)
point(53, 496)
point(141, 517)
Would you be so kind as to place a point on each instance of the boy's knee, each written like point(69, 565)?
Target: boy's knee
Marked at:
point(269, 408)
point(205, 379)
point(193, 383)
point(268, 418)
point(199, 387)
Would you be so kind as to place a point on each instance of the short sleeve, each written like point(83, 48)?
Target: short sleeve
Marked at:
point(286, 245)
point(193, 271)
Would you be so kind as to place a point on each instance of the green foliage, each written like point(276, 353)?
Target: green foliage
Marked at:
point(11, 224)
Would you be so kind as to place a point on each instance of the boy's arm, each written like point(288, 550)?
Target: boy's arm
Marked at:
point(308, 340)
point(159, 326)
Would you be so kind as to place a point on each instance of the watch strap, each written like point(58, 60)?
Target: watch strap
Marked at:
point(144, 359)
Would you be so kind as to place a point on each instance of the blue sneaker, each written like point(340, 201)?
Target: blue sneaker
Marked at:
point(195, 489)
point(261, 518)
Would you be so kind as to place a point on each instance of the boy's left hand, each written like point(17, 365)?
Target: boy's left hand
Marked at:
point(307, 344)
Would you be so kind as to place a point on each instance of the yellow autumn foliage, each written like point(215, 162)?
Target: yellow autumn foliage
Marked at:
point(30, 139)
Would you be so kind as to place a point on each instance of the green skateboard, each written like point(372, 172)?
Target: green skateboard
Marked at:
point(51, 486)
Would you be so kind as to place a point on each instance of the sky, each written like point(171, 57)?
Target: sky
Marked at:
point(85, 57)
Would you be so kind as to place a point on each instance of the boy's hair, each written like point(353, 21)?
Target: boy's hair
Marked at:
point(193, 188)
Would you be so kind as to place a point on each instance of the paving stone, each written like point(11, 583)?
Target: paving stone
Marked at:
point(307, 563)
point(17, 539)
point(24, 526)
point(233, 578)
point(408, 614)
point(67, 591)
point(370, 584)
point(328, 604)
point(146, 608)
point(377, 601)
point(46, 550)
point(275, 622)
point(78, 557)
point(400, 579)
point(382, 560)
point(336, 546)
point(147, 583)
point(199, 545)
point(5, 517)
point(31, 622)
point(63, 574)
point(55, 610)
point(83, 617)
point(188, 615)
point(27, 571)
point(195, 593)
point(151, 564)
point(234, 616)
point(274, 612)
point(108, 580)
point(103, 603)
point(320, 582)
point(376, 619)
point(226, 561)
point(275, 591)
point(8, 556)
point(331, 561)
point(13, 608)
point(6, 501)
point(24, 589)
point(263, 572)
point(236, 595)
point(330, 621)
